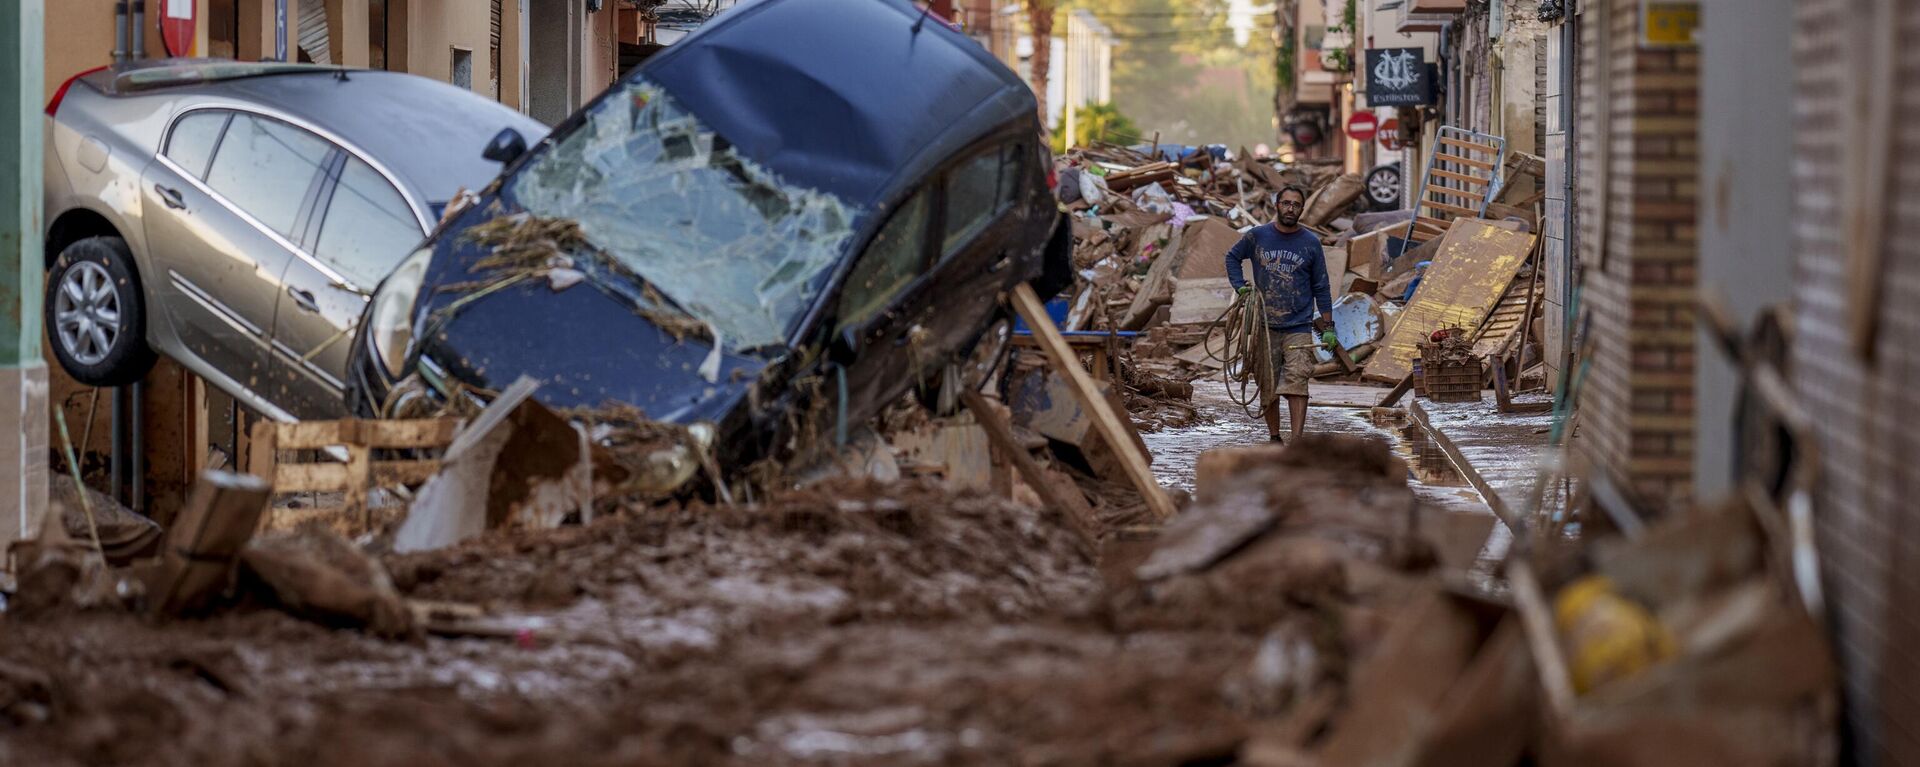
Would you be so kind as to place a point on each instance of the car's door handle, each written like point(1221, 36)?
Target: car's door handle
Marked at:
point(303, 299)
point(170, 196)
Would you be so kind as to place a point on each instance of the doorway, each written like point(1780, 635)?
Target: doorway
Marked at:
point(553, 56)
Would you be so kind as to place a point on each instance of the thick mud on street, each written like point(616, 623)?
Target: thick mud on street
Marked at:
point(842, 625)
point(845, 624)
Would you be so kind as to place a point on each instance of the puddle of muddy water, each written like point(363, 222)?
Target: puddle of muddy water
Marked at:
point(1223, 424)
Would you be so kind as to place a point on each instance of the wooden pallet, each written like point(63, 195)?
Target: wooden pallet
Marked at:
point(1462, 177)
point(300, 458)
point(1505, 321)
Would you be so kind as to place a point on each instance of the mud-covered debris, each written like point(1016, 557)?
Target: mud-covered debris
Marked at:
point(640, 458)
point(55, 573)
point(124, 535)
point(317, 575)
point(518, 464)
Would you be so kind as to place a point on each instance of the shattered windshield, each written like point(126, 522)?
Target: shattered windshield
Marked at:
point(716, 233)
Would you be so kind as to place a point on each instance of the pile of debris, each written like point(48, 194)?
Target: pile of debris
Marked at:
point(1151, 236)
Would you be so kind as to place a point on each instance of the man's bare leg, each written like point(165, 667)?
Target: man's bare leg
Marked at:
point(1271, 412)
point(1297, 407)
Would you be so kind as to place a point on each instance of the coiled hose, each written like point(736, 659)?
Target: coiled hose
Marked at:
point(1248, 351)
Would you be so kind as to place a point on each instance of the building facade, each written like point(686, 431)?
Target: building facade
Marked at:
point(543, 57)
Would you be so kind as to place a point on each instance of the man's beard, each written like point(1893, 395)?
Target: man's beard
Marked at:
point(1290, 219)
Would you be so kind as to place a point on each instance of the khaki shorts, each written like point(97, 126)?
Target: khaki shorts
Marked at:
point(1292, 367)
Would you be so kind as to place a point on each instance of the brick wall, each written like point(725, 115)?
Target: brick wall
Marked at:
point(1637, 407)
point(1868, 523)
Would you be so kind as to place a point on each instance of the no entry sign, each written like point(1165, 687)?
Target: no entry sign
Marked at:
point(1362, 125)
point(176, 26)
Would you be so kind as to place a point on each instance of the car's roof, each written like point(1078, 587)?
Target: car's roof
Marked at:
point(853, 97)
point(428, 133)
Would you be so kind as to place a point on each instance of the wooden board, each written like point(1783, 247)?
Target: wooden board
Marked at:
point(1200, 301)
point(1001, 436)
point(1445, 208)
point(1481, 148)
point(1507, 318)
point(1117, 432)
point(1473, 268)
point(1208, 353)
point(1468, 161)
point(1206, 240)
point(1461, 177)
point(1336, 258)
point(1345, 395)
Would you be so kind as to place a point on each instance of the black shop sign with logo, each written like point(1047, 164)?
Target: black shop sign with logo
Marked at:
point(1398, 77)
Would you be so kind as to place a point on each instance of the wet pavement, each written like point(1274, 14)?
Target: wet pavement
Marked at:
point(1224, 424)
point(1505, 450)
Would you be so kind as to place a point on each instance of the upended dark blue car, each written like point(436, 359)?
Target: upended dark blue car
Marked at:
point(808, 206)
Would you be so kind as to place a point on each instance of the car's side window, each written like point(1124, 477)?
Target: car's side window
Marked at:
point(1013, 168)
point(194, 136)
point(972, 189)
point(896, 256)
point(368, 228)
point(265, 166)
point(978, 191)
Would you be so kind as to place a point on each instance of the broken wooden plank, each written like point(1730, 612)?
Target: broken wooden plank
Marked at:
point(1117, 432)
point(1001, 435)
point(197, 561)
point(1475, 264)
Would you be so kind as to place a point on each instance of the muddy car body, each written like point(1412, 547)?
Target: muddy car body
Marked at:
point(835, 190)
point(236, 216)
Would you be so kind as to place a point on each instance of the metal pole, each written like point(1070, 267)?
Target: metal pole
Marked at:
point(280, 30)
point(138, 443)
point(120, 31)
point(116, 443)
point(139, 29)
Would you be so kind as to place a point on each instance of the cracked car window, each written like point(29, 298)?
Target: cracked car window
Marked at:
point(716, 233)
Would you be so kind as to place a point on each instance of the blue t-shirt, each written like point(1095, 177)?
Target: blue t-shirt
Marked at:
point(1290, 272)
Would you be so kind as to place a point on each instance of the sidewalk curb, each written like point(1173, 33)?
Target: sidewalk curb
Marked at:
point(1460, 462)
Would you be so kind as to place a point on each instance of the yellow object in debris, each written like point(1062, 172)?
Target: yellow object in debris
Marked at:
point(1607, 636)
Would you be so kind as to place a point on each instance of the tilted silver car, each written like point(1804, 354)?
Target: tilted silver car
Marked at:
point(235, 216)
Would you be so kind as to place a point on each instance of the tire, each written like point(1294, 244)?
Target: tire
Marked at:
point(1383, 187)
point(96, 316)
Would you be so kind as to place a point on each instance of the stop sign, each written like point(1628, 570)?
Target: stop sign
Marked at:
point(1390, 135)
point(1362, 125)
point(176, 26)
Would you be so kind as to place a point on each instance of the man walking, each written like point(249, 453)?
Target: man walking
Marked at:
point(1290, 272)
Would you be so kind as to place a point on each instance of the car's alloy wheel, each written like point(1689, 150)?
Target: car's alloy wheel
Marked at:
point(95, 314)
point(86, 312)
point(1383, 187)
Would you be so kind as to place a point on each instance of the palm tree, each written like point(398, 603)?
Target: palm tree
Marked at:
point(1040, 20)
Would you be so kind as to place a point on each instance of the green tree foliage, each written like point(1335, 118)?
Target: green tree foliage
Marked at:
point(1096, 122)
point(1178, 70)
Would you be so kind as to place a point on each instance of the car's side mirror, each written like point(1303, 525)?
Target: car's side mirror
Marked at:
point(506, 146)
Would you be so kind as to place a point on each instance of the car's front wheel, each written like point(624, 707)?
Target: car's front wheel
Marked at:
point(95, 314)
point(1383, 187)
